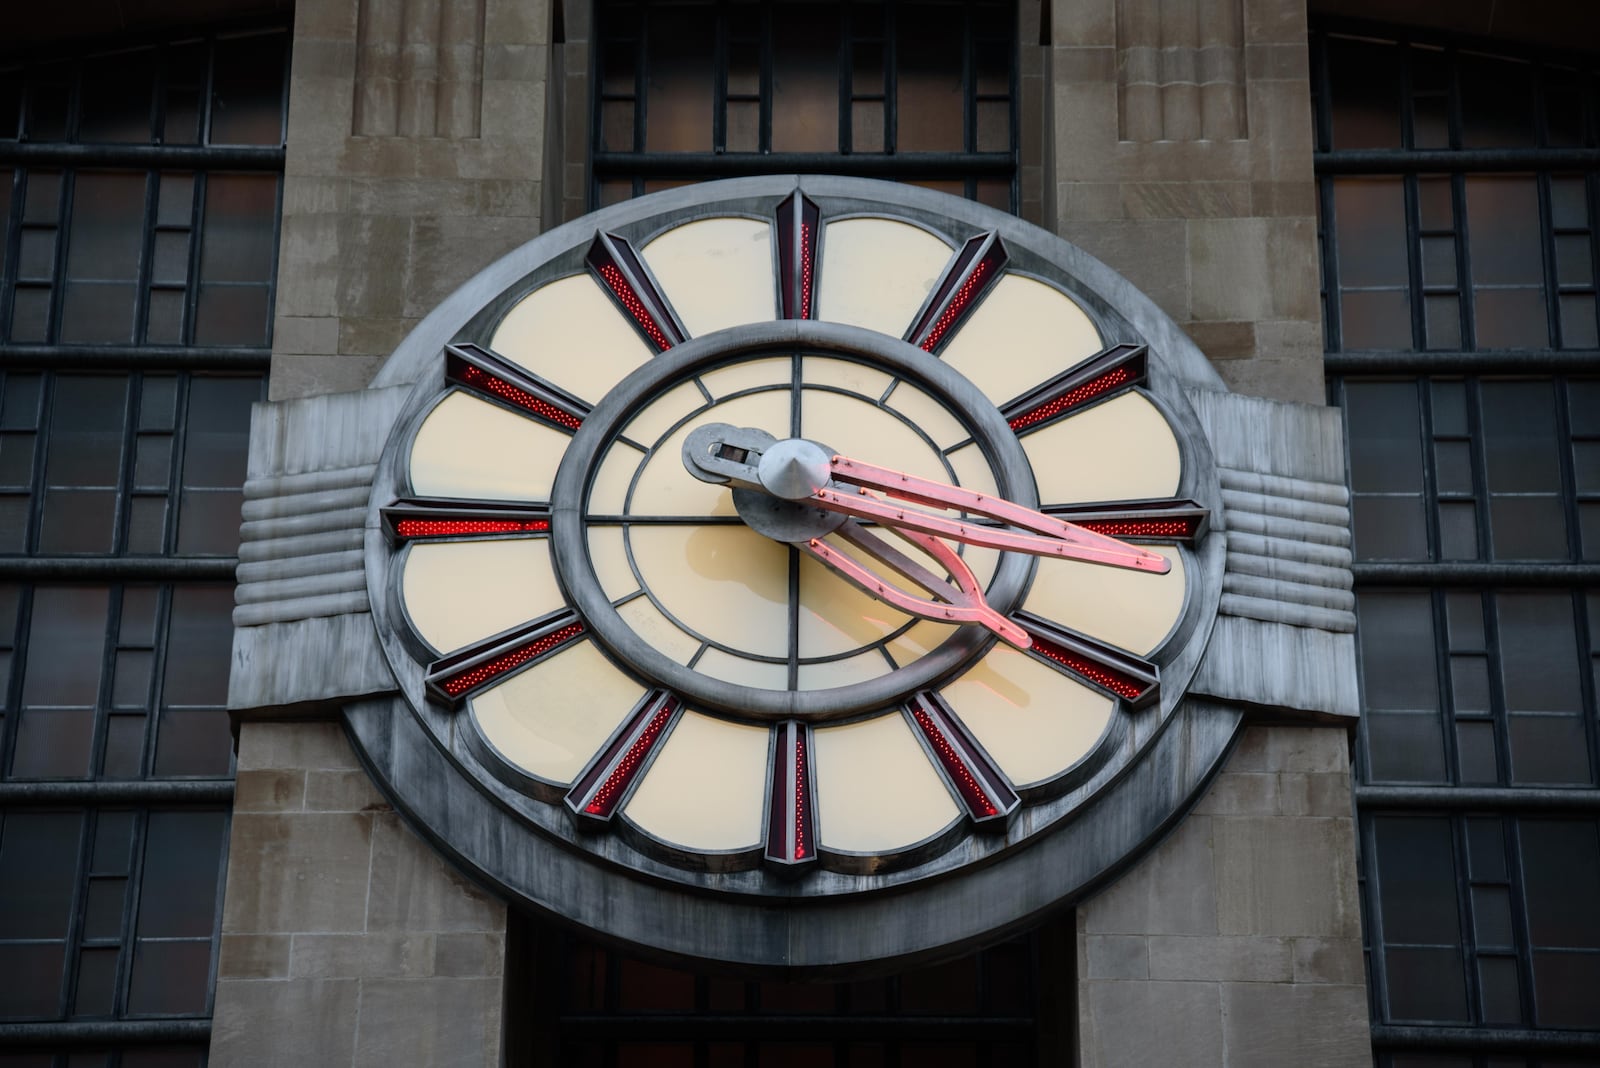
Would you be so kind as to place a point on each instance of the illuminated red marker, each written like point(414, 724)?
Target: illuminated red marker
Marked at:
point(983, 790)
point(1102, 375)
point(464, 673)
point(1168, 521)
point(790, 820)
point(623, 274)
point(483, 372)
point(1122, 674)
point(975, 268)
point(599, 792)
point(414, 519)
point(798, 225)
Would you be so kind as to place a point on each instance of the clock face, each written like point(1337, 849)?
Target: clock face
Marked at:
point(621, 644)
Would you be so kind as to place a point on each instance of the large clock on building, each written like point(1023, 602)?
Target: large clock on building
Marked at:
point(775, 557)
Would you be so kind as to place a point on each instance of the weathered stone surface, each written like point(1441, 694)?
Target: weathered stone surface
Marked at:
point(1285, 876)
point(1142, 901)
point(303, 745)
point(413, 889)
point(469, 953)
point(1142, 1024)
point(426, 1022)
point(1268, 1025)
point(248, 956)
point(1245, 960)
point(1321, 960)
point(269, 790)
point(362, 956)
point(298, 872)
point(278, 1024)
point(1116, 957)
point(342, 791)
point(1240, 793)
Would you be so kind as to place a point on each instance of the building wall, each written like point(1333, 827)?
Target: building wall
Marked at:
point(1176, 149)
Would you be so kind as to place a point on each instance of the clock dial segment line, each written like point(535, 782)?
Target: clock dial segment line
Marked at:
point(425, 518)
point(1183, 522)
point(973, 778)
point(623, 275)
point(602, 788)
point(492, 377)
point(1135, 680)
point(1103, 375)
point(791, 805)
point(468, 671)
point(970, 275)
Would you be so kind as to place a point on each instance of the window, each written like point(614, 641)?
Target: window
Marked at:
point(920, 91)
point(1458, 203)
point(139, 192)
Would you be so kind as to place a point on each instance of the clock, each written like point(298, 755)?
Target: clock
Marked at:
point(795, 540)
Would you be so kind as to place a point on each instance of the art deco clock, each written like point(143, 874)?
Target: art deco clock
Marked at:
point(779, 557)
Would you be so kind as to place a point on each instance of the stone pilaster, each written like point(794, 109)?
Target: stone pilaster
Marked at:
point(346, 939)
point(1181, 140)
point(415, 158)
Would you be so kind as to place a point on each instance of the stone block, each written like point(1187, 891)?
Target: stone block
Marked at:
point(469, 953)
point(516, 63)
point(1271, 199)
point(297, 872)
point(1083, 22)
point(372, 338)
point(303, 334)
point(513, 110)
point(299, 745)
point(1240, 794)
point(269, 790)
point(321, 108)
point(326, 19)
point(1280, 134)
point(1268, 1025)
point(1285, 876)
point(307, 376)
point(1329, 960)
point(1084, 64)
point(1278, 62)
point(1116, 957)
point(310, 195)
point(1246, 269)
point(414, 889)
point(1314, 794)
point(1274, 22)
point(342, 791)
point(1285, 380)
point(284, 1024)
point(448, 251)
point(1088, 201)
point(1184, 200)
point(1136, 1025)
point(1291, 749)
point(514, 197)
point(323, 57)
point(425, 1022)
point(309, 264)
point(361, 956)
point(413, 196)
point(1152, 254)
point(1084, 115)
point(372, 281)
point(1224, 340)
point(253, 956)
point(1299, 339)
point(519, 21)
point(1221, 959)
point(1143, 900)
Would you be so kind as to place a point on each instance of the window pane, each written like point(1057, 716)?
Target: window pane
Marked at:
point(38, 871)
point(805, 78)
point(681, 61)
point(929, 64)
point(1561, 881)
point(1364, 78)
point(247, 94)
point(103, 258)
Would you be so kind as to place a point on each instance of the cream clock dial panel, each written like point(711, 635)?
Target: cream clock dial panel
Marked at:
point(691, 581)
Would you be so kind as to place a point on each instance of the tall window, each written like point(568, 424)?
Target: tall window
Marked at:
point(1460, 196)
point(922, 91)
point(139, 195)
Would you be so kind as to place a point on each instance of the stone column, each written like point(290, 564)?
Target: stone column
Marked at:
point(415, 157)
point(1182, 157)
point(346, 939)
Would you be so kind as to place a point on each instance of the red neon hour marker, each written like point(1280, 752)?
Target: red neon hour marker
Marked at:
point(1183, 522)
point(1122, 674)
point(983, 790)
point(619, 269)
point(798, 224)
point(421, 519)
point(600, 790)
point(488, 375)
point(472, 669)
point(791, 820)
point(1118, 368)
point(975, 268)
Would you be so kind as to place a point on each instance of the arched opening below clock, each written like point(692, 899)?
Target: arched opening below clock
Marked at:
point(574, 1003)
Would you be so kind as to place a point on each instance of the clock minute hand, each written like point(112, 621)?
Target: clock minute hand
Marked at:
point(1051, 537)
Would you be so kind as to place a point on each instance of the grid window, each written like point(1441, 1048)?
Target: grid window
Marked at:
point(971, 1012)
point(118, 253)
point(1459, 258)
point(921, 91)
point(123, 464)
point(1484, 919)
point(1452, 468)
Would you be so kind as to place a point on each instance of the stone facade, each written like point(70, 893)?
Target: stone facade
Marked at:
point(346, 939)
point(1176, 150)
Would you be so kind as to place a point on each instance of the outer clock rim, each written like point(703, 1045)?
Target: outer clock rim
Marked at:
point(568, 530)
